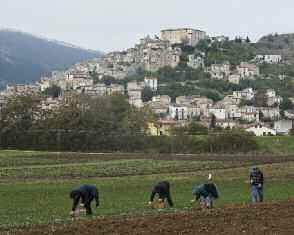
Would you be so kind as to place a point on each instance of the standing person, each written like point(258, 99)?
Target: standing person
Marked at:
point(207, 193)
point(256, 182)
point(86, 194)
point(163, 191)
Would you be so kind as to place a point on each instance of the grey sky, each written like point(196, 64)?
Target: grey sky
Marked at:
point(118, 24)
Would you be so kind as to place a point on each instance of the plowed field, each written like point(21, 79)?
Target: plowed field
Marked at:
point(269, 218)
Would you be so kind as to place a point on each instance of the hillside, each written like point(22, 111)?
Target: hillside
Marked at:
point(277, 44)
point(24, 57)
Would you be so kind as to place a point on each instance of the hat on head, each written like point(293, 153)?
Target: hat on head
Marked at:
point(254, 168)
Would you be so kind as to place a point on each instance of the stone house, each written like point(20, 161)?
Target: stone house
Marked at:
point(135, 85)
point(226, 124)
point(164, 127)
point(76, 83)
point(135, 98)
point(270, 113)
point(178, 112)
point(159, 104)
point(231, 99)
point(195, 62)
point(115, 89)
point(234, 78)
point(272, 98)
point(151, 82)
point(247, 70)
point(186, 100)
point(204, 104)
point(21, 89)
point(156, 54)
point(249, 114)
point(165, 99)
point(246, 94)
point(158, 107)
point(269, 59)
point(98, 89)
point(289, 114)
point(218, 111)
point(219, 71)
point(233, 111)
point(197, 106)
point(193, 111)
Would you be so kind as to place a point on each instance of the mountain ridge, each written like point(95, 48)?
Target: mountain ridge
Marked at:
point(25, 57)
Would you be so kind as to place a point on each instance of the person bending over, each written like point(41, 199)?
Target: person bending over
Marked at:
point(207, 193)
point(163, 191)
point(85, 194)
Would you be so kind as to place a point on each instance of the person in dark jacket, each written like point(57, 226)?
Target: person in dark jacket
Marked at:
point(207, 193)
point(256, 182)
point(163, 191)
point(85, 194)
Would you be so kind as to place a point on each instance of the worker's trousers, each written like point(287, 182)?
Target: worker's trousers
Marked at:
point(256, 193)
point(207, 201)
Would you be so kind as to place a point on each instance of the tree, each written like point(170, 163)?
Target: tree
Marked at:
point(286, 104)
point(135, 122)
point(147, 94)
point(18, 117)
point(292, 131)
point(248, 39)
point(53, 91)
point(260, 99)
point(232, 141)
point(212, 122)
point(238, 40)
point(245, 103)
point(195, 128)
point(94, 76)
point(203, 45)
point(108, 80)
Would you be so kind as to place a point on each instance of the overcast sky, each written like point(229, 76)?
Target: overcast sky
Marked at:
point(118, 24)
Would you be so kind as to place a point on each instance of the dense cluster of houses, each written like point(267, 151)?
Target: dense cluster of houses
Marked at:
point(228, 113)
point(150, 54)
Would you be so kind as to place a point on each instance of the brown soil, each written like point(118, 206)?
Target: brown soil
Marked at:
point(270, 218)
point(259, 158)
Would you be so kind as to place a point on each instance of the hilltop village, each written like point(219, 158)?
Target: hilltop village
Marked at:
point(182, 75)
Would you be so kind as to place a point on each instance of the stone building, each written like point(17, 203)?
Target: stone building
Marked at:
point(269, 59)
point(135, 98)
point(162, 99)
point(249, 114)
point(155, 54)
point(234, 78)
point(178, 112)
point(195, 62)
point(151, 82)
point(247, 70)
point(188, 36)
point(219, 71)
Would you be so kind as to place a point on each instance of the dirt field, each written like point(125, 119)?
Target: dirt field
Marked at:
point(275, 218)
point(259, 158)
